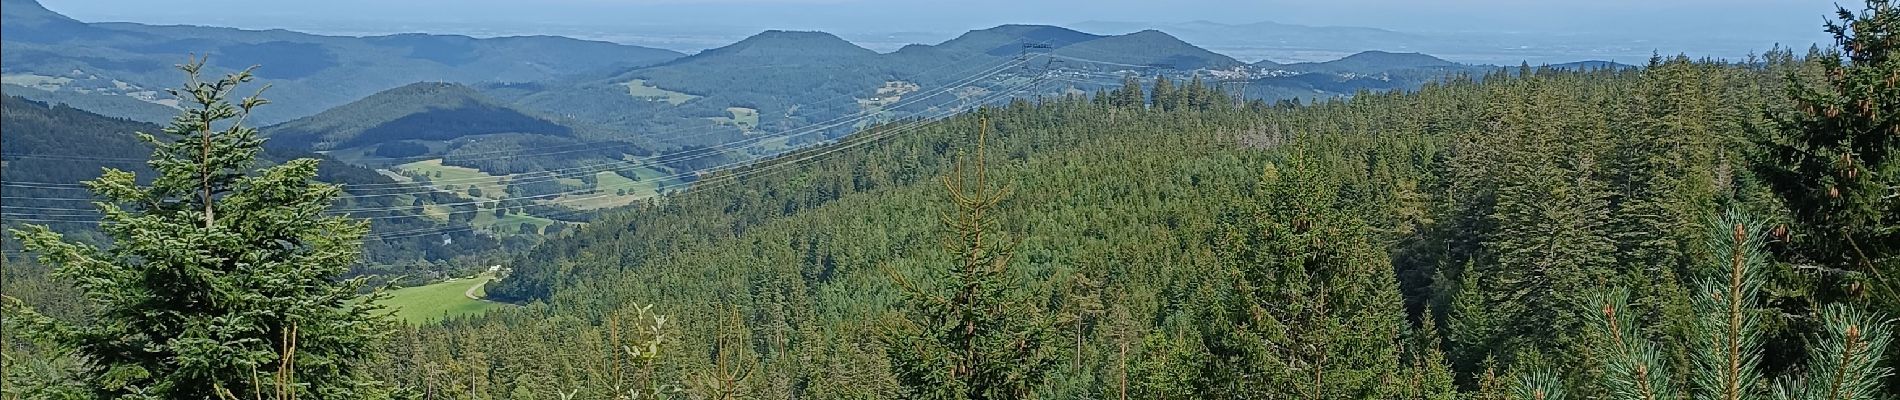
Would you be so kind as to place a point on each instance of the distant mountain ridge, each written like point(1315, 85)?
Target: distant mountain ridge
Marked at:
point(1591, 65)
point(1007, 40)
point(528, 105)
point(1147, 47)
point(791, 81)
point(776, 44)
point(308, 73)
point(1370, 62)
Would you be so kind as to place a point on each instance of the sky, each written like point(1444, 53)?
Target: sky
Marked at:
point(1773, 21)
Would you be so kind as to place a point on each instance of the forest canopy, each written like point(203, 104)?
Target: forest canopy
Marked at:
point(1703, 229)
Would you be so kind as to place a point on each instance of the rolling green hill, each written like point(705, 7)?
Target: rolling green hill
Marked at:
point(585, 104)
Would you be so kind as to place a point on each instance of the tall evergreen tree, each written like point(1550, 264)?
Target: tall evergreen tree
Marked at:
point(1471, 328)
point(1553, 238)
point(1831, 158)
point(1164, 94)
point(1314, 310)
point(1129, 95)
point(971, 337)
point(221, 281)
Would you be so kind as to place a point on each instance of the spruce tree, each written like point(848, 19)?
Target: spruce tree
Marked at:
point(971, 337)
point(1198, 96)
point(1129, 95)
point(1471, 328)
point(1553, 241)
point(1830, 158)
point(1430, 376)
point(1312, 309)
point(1164, 94)
point(222, 281)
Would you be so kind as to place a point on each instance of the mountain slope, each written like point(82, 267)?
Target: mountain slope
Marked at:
point(1008, 40)
point(43, 168)
point(442, 120)
point(1148, 47)
point(309, 73)
point(799, 81)
point(783, 80)
point(423, 111)
point(777, 46)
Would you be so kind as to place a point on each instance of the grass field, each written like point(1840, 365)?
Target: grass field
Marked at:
point(639, 88)
point(744, 118)
point(458, 179)
point(771, 146)
point(36, 81)
point(508, 224)
point(611, 184)
point(422, 304)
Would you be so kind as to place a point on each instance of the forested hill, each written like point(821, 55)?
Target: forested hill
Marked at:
point(309, 73)
point(1373, 62)
point(1454, 240)
point(458, 124)
point(802, 81)
point(431, 112)
point(775, 47)
point(49, 150)
point(1145, 48)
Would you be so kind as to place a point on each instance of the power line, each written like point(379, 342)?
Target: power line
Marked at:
point(954, 63)
point(731, 179)
point(725, 180)
point(430, 187)
point(628, 186)
point(833, 123)
point(424, 189)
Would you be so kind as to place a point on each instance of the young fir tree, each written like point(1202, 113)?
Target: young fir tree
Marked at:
point(1843, 360)
point(1470, 328)
point(222, 281)
point(971, 338)
point(1429, 375)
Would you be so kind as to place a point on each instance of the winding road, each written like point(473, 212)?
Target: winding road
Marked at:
point(478, 286)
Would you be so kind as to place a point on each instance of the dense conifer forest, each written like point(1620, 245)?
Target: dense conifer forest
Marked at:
point(1688, 229)
point(1455, 241)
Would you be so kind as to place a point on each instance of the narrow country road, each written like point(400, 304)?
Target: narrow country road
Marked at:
point(478, 286)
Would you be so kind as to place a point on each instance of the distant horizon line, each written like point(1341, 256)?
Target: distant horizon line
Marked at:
point(711, 37)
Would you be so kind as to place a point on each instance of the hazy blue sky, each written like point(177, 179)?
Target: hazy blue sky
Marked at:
point(1768, 20)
